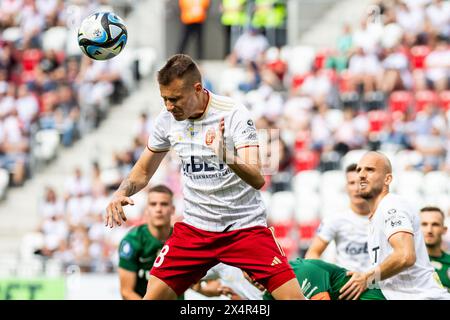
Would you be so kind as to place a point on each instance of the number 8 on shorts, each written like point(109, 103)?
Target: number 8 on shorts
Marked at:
point(161, 255)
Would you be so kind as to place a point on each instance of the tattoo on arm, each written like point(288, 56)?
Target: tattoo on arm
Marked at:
point(128, 186)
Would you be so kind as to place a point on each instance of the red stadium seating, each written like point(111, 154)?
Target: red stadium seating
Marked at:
point(283, 229)
point(344, 83)
point(400, 101)
point(377, 119)
point(418, 55)
point(444, 100)
point(306, 231)
point(425, 97)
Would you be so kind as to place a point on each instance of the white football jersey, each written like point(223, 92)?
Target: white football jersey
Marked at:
point(394, 214)
point(215, 198)
point(349, 232)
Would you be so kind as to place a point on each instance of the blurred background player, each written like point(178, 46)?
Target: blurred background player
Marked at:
point(433, 228)
point(142, 244)
point(321, 280)
point(349, 230)
point(232, 224)
point(397, 250)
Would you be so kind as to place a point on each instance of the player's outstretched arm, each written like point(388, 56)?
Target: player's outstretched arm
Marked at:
point(137, 179)
point(316, 248)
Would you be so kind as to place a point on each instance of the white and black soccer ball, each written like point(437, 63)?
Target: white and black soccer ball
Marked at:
point(102, 35)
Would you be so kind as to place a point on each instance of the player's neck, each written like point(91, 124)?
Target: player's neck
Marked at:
point(361, 210)
point(204, 101)
point(374, 202)
point(161, 233)
point(435, 251)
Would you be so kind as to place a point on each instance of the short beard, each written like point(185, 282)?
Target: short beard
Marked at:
point(371, 194)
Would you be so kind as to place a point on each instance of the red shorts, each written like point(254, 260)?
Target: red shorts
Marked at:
point(190, 252)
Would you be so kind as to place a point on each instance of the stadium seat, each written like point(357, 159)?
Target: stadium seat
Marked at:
point(307, 209)
point(54, 39)
point(400, 101)
point(335, 118)
point(407, 159)
point(47, 143)
point(410, 182)
point(333, 181)
point(344, 82)
point(333, 204)
point(377, 119)
point(440, 200)
point(435, 182)
point(306, 232)
point(418, 55)
point(306, 181)
point(444, 100)
point(303, 65)
point(282, 207)
point(425, 97)
point(353, 156)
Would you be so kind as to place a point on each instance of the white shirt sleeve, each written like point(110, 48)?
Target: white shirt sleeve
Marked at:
point(327, 230)
point(158, 140)
point(397, 219)
point(242, 128)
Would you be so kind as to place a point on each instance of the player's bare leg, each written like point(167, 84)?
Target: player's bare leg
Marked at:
point(289, 290)
point(159, 290)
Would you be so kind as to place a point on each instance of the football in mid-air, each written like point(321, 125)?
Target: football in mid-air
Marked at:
point(102, 35)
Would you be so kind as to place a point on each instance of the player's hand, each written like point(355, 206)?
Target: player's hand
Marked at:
point(253, 282)
point(219, 145)
point(114, 211)
point(354, 287)
point(227, 291)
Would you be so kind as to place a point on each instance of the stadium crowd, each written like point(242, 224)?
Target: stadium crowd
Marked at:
point(384, 85)
point(45, 83)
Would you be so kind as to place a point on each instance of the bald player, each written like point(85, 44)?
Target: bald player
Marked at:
point(401, 267)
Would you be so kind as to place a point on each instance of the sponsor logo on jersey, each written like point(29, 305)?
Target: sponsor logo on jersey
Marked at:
point(392, 211)
point(210, 136)
point(250, 122)
point(356, 248)
point(197, 164)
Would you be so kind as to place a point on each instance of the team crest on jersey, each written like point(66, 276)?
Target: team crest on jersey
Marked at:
point(210, 136)
point(126, 250)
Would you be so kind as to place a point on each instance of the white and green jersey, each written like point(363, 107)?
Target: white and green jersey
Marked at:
point(215, 198)
point(394, 214)
point(349, 232)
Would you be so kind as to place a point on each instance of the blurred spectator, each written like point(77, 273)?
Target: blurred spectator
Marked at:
point(77, 185)
point(193, 16)
point(249, 47)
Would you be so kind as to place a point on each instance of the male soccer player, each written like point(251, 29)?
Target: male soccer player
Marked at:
point(321, 280)
point(397, 250)
point(433, 228)
point(348, 230)
point(224, 217)
point(139, 248)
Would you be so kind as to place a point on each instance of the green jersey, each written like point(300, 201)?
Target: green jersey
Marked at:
point(442, 266)
point(137, 253)
point(321, 280)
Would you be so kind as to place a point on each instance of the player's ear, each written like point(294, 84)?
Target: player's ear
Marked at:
point(388, 179)
point(198, 87)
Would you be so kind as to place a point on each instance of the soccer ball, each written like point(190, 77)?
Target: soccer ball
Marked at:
point(102, 35)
